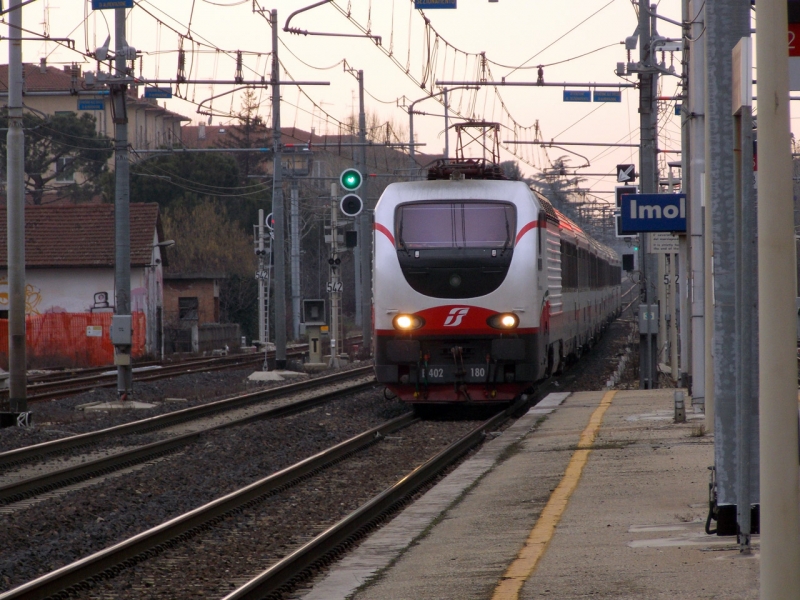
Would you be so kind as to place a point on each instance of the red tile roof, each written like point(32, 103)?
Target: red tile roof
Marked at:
point(81, 235)
point(53, 80)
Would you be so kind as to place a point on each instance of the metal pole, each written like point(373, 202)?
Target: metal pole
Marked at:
point(742, 329)
point(295, 258)
point(15, 187)
point(683, 296)
point(263, 265)
point(694, 116)
point(364, 230)
point(727, 21)
point(335, 279)
point(277, 205)
point(411, 154)
point(122, 211)
point(780, 525)
point(446, 126)
point(672, 290)
point(361, 164)
point(649, 183)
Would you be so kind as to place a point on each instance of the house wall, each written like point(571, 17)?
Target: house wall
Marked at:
point(205, 290)
point(79, 290)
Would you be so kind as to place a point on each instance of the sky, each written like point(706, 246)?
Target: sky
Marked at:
point(576, 41)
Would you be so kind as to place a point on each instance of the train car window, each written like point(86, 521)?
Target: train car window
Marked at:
point(455, 225)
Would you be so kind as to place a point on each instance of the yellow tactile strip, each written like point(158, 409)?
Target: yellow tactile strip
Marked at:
point(539, 538)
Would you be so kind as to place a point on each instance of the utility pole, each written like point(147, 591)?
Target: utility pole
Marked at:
point(335, 281)
point(261, 276)
point(15, 168)
point(294, 224)
point(122, 327)
point(364, 227)
point(726, 22)
point(648, 169)
point(277, 204)
point(693, 118)
point(780, 522)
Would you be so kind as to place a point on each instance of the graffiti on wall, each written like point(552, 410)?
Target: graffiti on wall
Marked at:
point(33, 297)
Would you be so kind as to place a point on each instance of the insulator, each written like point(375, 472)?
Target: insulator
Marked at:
point(239, 78)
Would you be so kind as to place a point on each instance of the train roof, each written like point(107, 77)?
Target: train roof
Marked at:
point(569, 226)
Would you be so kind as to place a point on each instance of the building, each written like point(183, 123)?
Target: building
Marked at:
point(70, 295)
point(50, 90)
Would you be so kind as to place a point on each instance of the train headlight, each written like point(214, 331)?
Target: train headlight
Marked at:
point(407, 322)
point(504, 321)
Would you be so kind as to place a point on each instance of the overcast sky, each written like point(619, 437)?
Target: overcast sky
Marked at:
point(576, 40)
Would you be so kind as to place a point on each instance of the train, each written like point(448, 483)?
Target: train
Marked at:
point(481, 289)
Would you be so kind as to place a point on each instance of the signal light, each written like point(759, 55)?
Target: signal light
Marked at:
point(351, 179)
point(351, 205)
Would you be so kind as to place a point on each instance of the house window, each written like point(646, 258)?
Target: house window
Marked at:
point(65, 170)
point(187, 309)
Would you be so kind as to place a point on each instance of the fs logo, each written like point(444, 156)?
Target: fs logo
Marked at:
point(454, 318)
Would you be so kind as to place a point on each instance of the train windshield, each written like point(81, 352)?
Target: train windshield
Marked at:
point(455, 225)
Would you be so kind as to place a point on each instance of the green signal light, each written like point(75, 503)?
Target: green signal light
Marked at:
point(351, 179)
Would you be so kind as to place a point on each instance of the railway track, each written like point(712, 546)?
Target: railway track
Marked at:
point(159, 552)
point(194, 423)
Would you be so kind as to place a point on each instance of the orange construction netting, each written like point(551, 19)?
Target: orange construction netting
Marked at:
point(72, 339)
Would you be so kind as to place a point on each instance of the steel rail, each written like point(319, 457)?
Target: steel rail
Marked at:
point(106, 563)
point(280, 576)
point(33, 486)
point(28, 453)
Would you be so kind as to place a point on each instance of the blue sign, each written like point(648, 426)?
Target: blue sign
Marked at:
point(157, 92)
point(91, 105)
point(607, 96)
point(577, 95)
point(678, 109)
point(641, 213)
point(420, 4)
point(102, 4)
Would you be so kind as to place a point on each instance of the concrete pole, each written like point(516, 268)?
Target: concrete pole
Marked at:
point(364, 229)
point(780, 522)
point(122, 210)
point(15, 189)
point(277, 205)
point(727, 21)
point(295, 258)
point(694, 118)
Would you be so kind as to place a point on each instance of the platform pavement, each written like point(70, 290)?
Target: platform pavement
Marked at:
point(632, 527)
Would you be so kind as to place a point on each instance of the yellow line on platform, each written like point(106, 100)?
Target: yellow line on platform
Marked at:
point(539, 539)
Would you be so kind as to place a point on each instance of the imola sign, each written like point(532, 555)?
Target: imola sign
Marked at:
point(642, 213)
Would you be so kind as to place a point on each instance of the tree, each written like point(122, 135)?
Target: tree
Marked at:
point(251, 132)
point(64, 155)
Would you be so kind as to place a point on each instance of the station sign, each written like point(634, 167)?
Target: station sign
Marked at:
point(642, 213)
point(577, 95)
point(426, 4)
point(607, 96)
point(108, 4)
point(91, 105)
point(157, 92)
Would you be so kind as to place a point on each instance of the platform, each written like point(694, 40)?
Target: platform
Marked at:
point(589, 495)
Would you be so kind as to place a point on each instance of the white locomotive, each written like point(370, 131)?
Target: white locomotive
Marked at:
point(482, 288)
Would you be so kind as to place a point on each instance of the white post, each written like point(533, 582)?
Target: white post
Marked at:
point(780, 520)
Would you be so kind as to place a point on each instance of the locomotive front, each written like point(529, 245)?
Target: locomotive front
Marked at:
point(457, 302)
